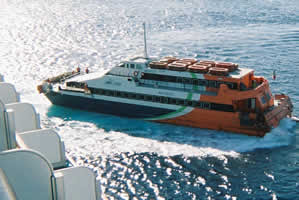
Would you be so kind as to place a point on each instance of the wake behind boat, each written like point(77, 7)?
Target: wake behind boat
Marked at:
point(181, 91)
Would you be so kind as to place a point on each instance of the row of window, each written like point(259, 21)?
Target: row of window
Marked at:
point(162, 99)
point(75, 84)
point(131, 65)
point(193, 81)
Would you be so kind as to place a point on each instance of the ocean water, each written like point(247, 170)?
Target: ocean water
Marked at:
point(134, 159)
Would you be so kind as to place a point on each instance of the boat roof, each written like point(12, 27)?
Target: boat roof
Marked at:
point(140, 59)
point(239, 73)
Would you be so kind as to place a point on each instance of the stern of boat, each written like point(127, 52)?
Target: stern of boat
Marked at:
point(282, 108)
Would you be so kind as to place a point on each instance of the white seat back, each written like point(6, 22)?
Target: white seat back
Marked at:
point(47, 142)
point(28, 173)
point(7, 129)
point(3, 138)
point(8, 93)
point(76, 183)
point(26, 119)
point(6, 191)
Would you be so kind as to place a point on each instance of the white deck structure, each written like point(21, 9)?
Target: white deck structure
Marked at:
point(33, 164)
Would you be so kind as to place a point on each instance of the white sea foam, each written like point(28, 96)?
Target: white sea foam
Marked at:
point(85, 138)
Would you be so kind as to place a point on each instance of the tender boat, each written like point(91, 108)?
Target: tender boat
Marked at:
point(181, 91)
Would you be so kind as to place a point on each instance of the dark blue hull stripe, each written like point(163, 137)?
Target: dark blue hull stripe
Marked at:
point(106, 107)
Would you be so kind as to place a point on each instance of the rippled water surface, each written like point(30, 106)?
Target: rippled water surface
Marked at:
point(134, 159)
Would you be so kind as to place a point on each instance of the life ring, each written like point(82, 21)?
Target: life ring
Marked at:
point(135, 73)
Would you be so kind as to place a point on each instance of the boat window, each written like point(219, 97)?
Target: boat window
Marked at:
point(132, 66)
point(121, 65)
point(172, 101)
point(199, 105)
point(172, 78)
point(157, 99)
point(195, 82)
point(212, 84)
point(234, 86)
point(206, 105)
point(188, 80)
point(194, 103)
point(243, 87)
point(252, 103)
point(190, 103)
point(202, 82)
point(229, 85)
point(163, 99)
point(179, 80)
point(222, 107)
point(130, 96)
point(138, 66)
point(263, 100)
point(218, 83)
point(181, 102)
point(186, 103)
point(268, 97)
point(149, 98)
point(110, 93)
point(168, 100)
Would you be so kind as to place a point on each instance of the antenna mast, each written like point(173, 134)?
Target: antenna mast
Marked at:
point(145, 47)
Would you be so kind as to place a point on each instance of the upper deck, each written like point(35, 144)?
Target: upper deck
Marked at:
point(175, 71)
point(182, 67)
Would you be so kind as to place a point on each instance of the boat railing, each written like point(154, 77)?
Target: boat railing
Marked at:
point(245, 94)
point(62, 77)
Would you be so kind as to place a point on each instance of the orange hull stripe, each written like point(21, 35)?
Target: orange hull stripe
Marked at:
point(215, 120)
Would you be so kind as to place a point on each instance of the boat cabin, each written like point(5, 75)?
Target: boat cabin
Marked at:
point(136, 63)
